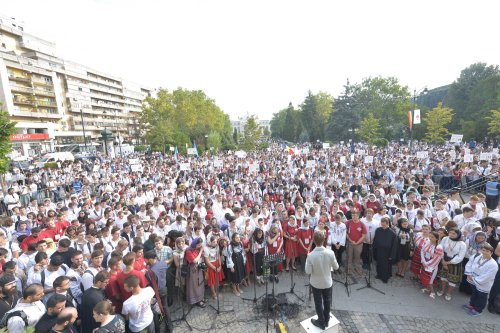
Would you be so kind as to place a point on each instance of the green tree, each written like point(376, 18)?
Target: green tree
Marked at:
point(369, 130)
point(214, 140)
point(182, 116)
point(235, 135)
point(251, 136)
point(389, 102)
point(494, 123)
point(7, 128)
point(345, 116)
point(472, 95)
point(436, 120)
point(315, 112)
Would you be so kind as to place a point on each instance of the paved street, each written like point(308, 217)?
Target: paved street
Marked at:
point(403, 309)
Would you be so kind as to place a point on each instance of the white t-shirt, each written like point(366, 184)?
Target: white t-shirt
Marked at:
point(138, 309)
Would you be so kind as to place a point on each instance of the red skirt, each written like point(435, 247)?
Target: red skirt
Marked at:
point(249, 263)
point(416, 262)
point(428, 278)
point(212, 281)
point(291, 249)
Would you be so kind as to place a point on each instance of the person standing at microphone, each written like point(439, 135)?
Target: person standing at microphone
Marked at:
point(319, 264)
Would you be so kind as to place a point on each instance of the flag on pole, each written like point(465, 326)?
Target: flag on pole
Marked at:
point(176, 158)
point(416, 117)
point(288, 149)
point(410, 120)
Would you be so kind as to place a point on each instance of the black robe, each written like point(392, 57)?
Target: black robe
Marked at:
point(90, 298)
point(384, 248)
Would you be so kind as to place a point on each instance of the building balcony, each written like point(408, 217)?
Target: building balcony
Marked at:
point(47, 104)
point(42, 92)
point(19, 78)
point(19, 101)
point(107, 105)
point(106, 97)
point(21, 89)
point(37, 115)
point(41, 82)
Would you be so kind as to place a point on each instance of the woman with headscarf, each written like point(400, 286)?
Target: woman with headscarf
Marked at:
point(305, 235)
point(195, 286)
point(213, 262)
point(259, 249)
point(453, 254)
point(430, 257)
point(405, 245)
point(473, 243)
point(421, 239)
point(291, 244)
point(236, 263)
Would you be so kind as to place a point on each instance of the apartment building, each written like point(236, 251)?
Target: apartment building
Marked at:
point(55, 102)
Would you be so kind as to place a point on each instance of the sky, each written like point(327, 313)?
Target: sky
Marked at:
point(254, 57)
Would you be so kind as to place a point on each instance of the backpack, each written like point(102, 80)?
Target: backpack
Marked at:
point(42, 274)
point(17, 313)
point(87, 271)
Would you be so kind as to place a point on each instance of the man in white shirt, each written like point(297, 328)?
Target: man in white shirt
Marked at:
point(371, 227)
point(31, 305)
point(319, 264)
point(137, 308)
point(466, 217)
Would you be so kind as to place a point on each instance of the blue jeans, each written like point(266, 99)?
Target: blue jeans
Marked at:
point(322, 300)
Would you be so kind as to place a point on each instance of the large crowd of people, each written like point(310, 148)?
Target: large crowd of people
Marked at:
point(121, 240)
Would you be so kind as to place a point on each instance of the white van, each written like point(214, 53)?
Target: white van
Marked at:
point(54, 157)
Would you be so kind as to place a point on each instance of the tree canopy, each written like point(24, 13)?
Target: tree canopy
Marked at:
point(7, 128)
point(182, 117)
point(471, 96)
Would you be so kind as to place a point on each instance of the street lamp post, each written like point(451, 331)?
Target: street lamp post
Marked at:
point(421, 91)
point(117, 132)
point(83, 128)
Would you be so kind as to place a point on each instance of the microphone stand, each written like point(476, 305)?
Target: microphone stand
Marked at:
point(346, 282)
point(180, 300)
point(370, 259)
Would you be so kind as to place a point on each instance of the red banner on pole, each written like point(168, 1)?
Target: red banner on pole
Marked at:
point(410, 119)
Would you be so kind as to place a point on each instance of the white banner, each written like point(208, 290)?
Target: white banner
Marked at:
point(218, 164)
point(172, 149)
point(456, 138)
point(422, 154)
point(416, 117)
point(368, 159)
point(361, 152)
point(310, 164)
point(133, 161)
point(96, 168)
point(136, 168)
point(191, 151)
point(185, 166)
point(486, 156)
point(468, 158)
point(305, 151)
point(254, 167)
point(342, 160)
point(240, 154)
point(326, 145)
